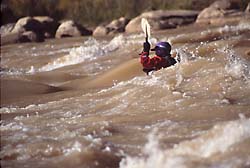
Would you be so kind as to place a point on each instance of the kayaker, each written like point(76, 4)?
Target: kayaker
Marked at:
point(162, 59)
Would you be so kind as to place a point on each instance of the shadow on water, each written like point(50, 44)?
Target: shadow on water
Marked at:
point(39, 85)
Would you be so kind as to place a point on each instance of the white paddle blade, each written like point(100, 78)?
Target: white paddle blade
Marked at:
point(145, 27)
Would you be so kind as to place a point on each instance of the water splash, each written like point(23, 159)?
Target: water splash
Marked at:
point(91, 50)
point(216, 141)
point(236, 66)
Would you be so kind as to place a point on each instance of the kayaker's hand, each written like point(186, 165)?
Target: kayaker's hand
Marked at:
point(146, 47)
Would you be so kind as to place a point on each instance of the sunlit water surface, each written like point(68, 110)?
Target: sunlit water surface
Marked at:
point(193, 114)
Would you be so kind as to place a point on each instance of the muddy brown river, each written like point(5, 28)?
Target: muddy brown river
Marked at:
point(85, 102)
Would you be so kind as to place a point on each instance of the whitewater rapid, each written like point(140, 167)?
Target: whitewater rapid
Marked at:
point(193, 114)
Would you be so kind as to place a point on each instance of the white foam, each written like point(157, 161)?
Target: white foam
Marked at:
point(91, 50)
point(237, 69)
point(217, 140)
point(236, 66)
point(76, 147)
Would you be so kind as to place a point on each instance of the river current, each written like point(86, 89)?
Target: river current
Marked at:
point(85, 102)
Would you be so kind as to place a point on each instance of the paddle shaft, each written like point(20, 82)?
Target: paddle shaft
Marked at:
point(146, 38)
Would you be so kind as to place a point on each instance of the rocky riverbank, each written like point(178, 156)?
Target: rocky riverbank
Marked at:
point(39, 28)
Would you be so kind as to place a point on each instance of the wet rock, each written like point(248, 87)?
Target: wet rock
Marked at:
point(29, 36)
point(226, 4)
point(68, 29)
point(116, 26)
point(247, 10)
point(25, 29)
point(28, 24)
point(220, 17)
point(163, 19)
point(208, 13)
point(100, 31)
point(220, 12)
point(49, 25)
point(19, 26)
point(71, 29)
point(29, 29)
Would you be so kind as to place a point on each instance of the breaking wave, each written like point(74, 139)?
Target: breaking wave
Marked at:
point(215, 142)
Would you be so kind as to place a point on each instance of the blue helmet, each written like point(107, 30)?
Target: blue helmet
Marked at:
point(164, 45)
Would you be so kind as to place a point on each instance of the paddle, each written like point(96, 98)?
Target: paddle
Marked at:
point(145, 28)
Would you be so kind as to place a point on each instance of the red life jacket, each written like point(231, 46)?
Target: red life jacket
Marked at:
point(155, 63)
